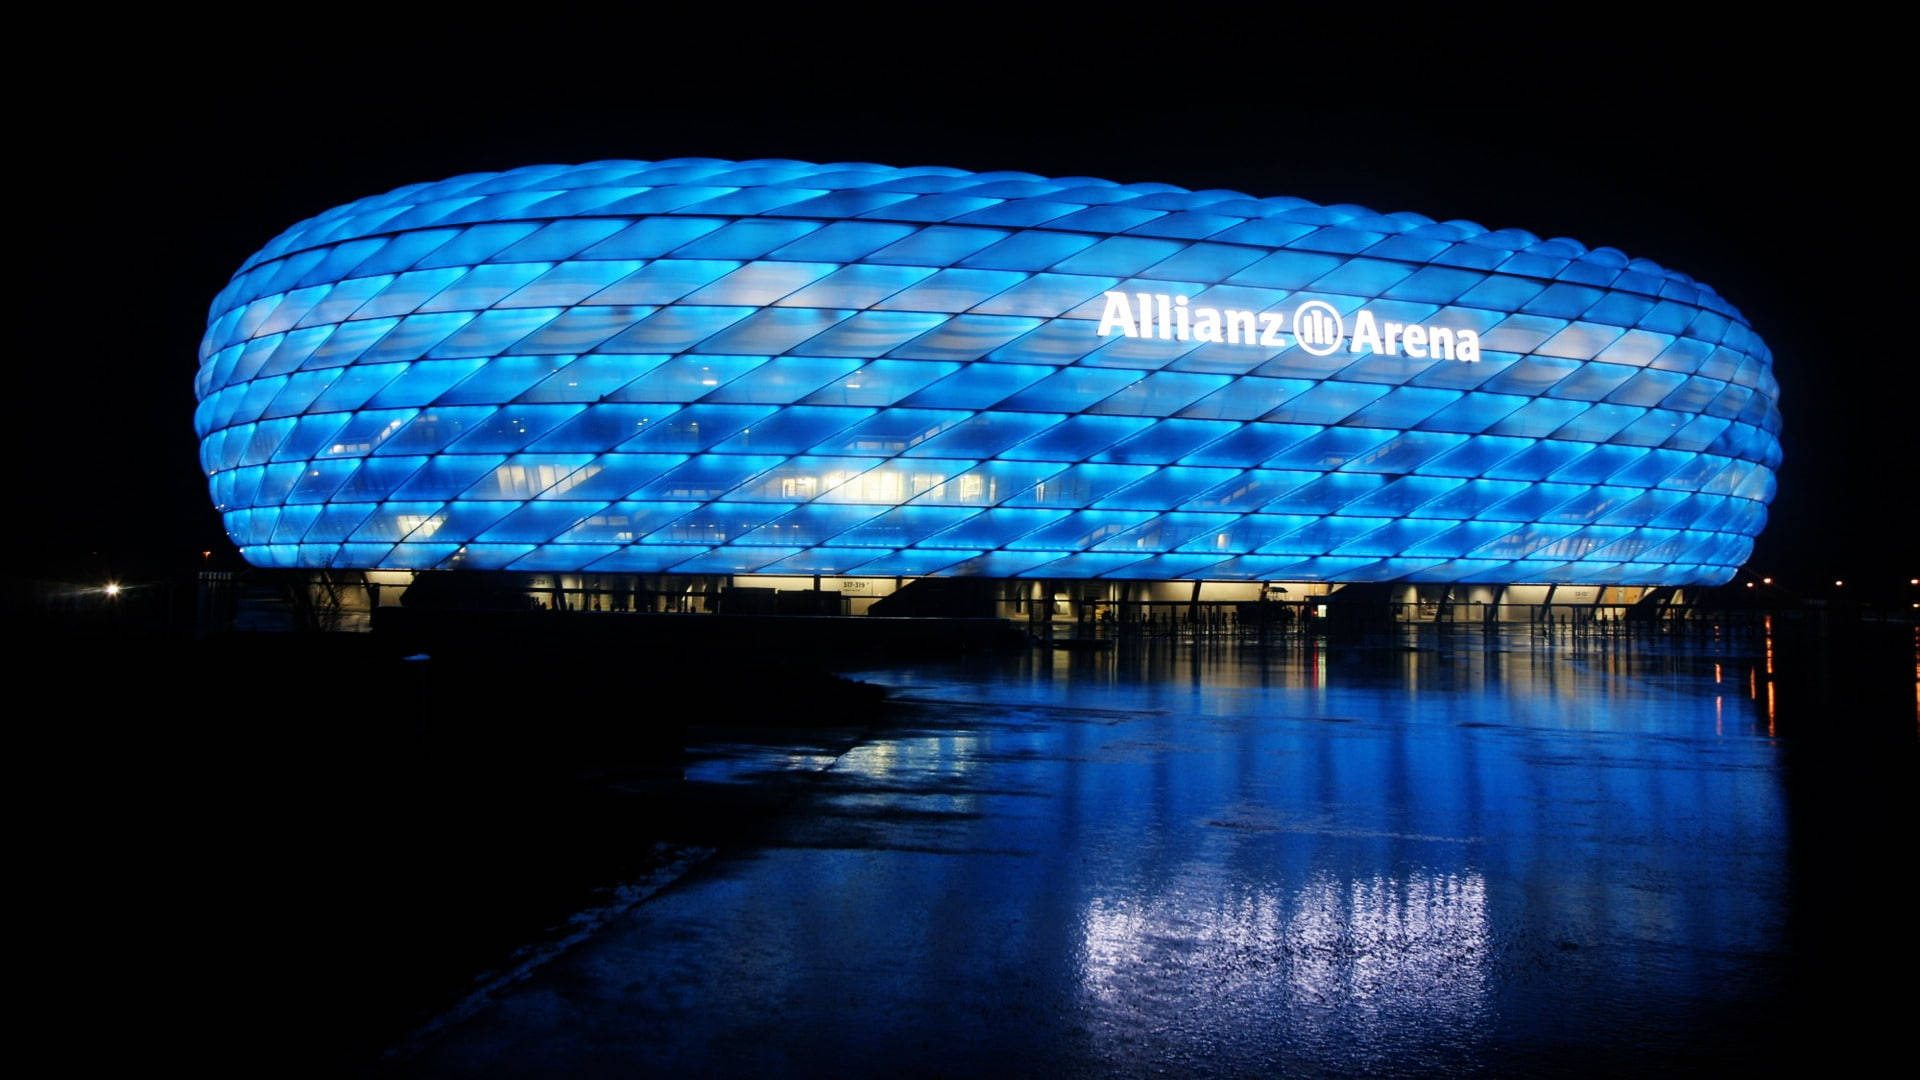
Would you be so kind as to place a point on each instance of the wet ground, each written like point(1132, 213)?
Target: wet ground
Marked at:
point(1432, 854)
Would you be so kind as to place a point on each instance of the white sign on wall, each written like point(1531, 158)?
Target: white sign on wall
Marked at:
point(1317, 327)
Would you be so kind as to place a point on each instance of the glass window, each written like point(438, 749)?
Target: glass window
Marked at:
point(409, 431)
point(408, 291)
point(1323, 536)
point(846, 241)
point(675, 328)
point(691, 429)
point(985, 483)
point(1167, 441)
point(476, 244)
point(292, 524)
point(1286, 270)
point(1079, 530)
point(891, 432)
point(402, 250)
point(524, 476)
point(1404, 452)
point(1538, 418)
point(1571, 462)
point(708, 476)
point(984, 435)
point(1076, 438)
point(748, 238)
point(1072, 389)
point(663, 281)
point(811, 524)
point(1532, 503)
point(491, 332)
point(569, 283)
point(423, 381)
point(1250, 489)
point(734, 559)
point(310, 435)
point(992, 528)
point(1162, 532)
point(318, 479)
point(1118, 256)
point(392, 522)
point(792, 430)
point(413, 338)
point(1031, 250)
point(1404, 407)
point(1328, 494)
point(650, 238)
point(859, 286)
point(1362, 277)
point(502, 379)
point(791, 378)
point(560, 240)
point(904, 525)
point(646, 558)
point(760, 283)
point(938, 245)
point(335, 522)
point(686, 378)
point(602, 427)
point(624, 522)
point(446, 475)
point(591, 378)
point(771, 331)
point(1392, 538)
point(611, 476)
point(539, 522)
point(1326, 403)
point(579, 330)
point(513, 427)
point(881, 382)
point(1047, 295)
point(1599, 423)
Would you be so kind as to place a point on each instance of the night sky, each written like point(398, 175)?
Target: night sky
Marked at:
point(1758, 163)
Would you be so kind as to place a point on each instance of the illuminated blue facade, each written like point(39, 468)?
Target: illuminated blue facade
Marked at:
point(713, 367)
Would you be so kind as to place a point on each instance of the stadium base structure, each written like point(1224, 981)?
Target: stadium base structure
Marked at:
point(349, 599)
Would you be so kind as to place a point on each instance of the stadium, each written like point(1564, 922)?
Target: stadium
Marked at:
point(642, 385)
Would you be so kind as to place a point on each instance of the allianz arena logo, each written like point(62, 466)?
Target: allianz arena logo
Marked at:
point(1316, 326)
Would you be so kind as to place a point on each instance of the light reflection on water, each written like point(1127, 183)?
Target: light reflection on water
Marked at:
point(1343, 856)
point(1369, 946)
point(1427, 857)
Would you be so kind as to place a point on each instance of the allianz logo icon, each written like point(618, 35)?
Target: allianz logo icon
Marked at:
point(1317, 328)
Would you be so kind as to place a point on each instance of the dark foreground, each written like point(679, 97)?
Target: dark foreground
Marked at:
point(1423, 856)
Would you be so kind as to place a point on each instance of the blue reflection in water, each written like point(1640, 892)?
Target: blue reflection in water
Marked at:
point(1374, 857)
point(1428, 857)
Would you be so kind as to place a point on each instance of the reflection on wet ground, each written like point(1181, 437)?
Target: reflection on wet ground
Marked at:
point(1437, 855)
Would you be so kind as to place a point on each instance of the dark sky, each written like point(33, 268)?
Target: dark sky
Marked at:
point(1759, 163)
